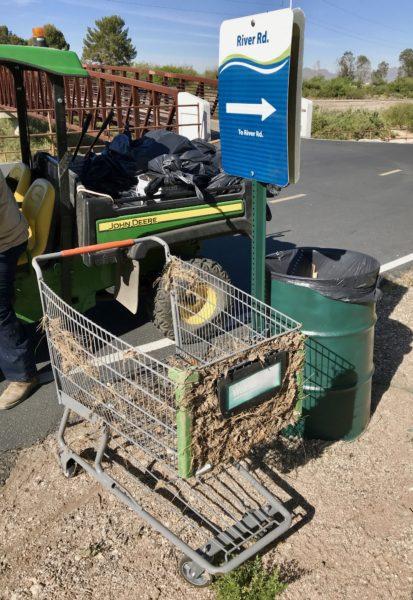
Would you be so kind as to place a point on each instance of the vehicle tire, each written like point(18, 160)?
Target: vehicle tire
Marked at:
point(209, 304)
point(185, 570)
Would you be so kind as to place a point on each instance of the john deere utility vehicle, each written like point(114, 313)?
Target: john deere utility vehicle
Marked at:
point(63, 214)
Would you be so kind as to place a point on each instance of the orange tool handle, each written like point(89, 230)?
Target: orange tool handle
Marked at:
point(97, 247)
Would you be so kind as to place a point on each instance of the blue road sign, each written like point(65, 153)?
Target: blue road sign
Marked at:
point(254, 70)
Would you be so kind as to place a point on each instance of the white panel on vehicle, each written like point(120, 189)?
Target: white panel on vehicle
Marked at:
point(194, 116)
point(306, 117)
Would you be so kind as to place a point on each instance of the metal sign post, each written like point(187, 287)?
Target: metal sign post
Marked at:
point(260, 65)
point(258, 239)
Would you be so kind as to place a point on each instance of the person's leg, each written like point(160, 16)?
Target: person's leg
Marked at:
point(16, 354)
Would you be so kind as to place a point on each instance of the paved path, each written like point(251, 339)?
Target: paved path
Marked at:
point(352, 195)
point(350, 199)
point(344, 198)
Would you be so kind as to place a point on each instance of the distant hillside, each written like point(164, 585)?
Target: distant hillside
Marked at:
point(308, 73)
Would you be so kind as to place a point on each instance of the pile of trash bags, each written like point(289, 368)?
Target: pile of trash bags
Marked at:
point(159, 161)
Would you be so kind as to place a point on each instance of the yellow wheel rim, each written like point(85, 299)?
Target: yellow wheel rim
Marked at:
point(201, 305)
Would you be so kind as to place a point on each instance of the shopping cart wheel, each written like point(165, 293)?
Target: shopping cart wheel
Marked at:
point(70, 468)
point(190, 571)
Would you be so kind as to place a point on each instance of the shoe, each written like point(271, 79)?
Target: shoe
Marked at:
point(16, 392)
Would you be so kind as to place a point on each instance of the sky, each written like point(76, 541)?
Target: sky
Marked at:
point(185, 32)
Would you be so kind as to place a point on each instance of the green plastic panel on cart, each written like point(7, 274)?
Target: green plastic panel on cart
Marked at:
point(138, 225)
point(50, 60)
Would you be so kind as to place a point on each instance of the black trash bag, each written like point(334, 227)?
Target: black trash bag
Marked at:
point(165, 163)
point(116, 169)
point(197, 156)
point(180, 181)
point(211, 153)
point(223, 183)
point(337, 274)
point(110, 172)
point(120, 144)
point(145, 149)
point(102, 174)
point(172, 142)
point(107, 174)
point(194, 161)
point(156, 143)
point(208, 150)
point(170, 171)
point(176, 161)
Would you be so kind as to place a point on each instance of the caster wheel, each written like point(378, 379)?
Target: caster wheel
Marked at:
point(70, 468)
point(188, 570)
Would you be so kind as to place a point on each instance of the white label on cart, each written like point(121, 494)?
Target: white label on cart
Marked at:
point(254, 385)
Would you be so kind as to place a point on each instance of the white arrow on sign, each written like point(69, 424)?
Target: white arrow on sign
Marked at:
point(265, 109)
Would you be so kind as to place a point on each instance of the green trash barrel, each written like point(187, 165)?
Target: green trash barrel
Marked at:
point(333, 293)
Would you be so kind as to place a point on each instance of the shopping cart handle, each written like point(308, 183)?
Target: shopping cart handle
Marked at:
point(97, 247)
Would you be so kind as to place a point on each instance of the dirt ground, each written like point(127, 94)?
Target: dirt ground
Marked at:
point(353, 527)
point(367, 103)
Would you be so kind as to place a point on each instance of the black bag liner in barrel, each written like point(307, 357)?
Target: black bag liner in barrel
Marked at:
point(337, 274)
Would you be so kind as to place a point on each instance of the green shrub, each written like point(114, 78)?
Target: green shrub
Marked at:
point(249, 582)
point(399, 115)
point(10, 146)
point(341, 87)
point(312, 88)
point(379, 88)
point(338, 87)
point(184, 69)
point(211, 73)
point(402, 86)
point(348, 125)
point(356, 93)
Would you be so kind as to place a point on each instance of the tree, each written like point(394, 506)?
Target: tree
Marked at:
point(380, 74)
point(8, 37)
point(406, 63)
point(346, 65)
point(109, 43)
point(363, 69)
point(54, 38)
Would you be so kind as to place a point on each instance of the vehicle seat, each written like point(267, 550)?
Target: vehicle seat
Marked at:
point(22, 175)
point(37, 207)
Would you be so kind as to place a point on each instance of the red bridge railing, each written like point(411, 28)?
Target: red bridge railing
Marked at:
point(199, 86)
point(148, 96)
point(149, 105)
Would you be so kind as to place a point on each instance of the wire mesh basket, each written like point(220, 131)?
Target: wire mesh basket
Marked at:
point(142, 398)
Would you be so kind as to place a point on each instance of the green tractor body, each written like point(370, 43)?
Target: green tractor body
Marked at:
point(82, 218)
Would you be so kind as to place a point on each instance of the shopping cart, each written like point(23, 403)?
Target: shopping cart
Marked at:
point(217, 517)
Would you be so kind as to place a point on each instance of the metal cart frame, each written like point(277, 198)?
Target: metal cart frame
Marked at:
point(253, 517)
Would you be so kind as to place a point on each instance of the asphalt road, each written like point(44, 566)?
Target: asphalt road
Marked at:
point(344, 199)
